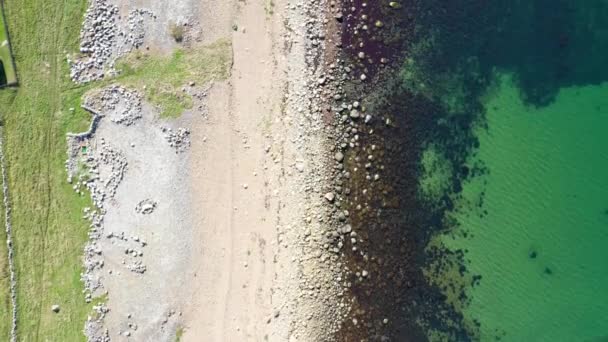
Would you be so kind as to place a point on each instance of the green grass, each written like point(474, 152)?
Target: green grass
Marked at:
point(5, 54)
point(48, 230)
point(178, 334)
point(165, 76)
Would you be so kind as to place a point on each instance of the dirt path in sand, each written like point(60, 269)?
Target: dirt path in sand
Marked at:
point(255, 158)
point(235, 180)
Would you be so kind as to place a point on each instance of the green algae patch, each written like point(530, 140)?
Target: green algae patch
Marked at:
point(436, 175)
point(162, 79)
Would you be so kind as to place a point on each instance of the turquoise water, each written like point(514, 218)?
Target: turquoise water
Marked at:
point(516, 166)
point(495, 165)
point(539, 239)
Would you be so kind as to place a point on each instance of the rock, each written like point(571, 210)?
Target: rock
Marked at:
point(146, 206)
point(364, 273)
point(339, 156)
point(347, 229)
point(330, 196)
point(354, 114)
point(55, 308)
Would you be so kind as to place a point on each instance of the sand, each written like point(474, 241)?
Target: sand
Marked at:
point(247, 286)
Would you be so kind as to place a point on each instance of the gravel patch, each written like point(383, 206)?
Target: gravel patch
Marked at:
point(104, 38)
point(140, 233)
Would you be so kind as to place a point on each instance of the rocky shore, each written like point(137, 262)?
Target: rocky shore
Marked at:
point(383, 227)
point(343, 266)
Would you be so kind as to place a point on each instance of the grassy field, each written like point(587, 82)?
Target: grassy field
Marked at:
point(48, 230)
point(9, 77)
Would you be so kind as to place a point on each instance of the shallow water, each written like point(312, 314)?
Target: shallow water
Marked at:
point(494, 214)
point(539, 239)
point(519, 169)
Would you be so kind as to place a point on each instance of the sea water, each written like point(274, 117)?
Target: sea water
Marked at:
point(539, 237)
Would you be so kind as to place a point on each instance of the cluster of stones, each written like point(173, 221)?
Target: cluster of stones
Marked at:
point(355, 160)
point(93, 259)
point(179, 139)
point(122, 237)
point(323, 289)
point(97, 41)
point(100, 190)
point(118, 165)
point(324, 98)
point(131, 327)
point(102, 40)
point(98, 170)
point(136, 31)
point(135, 266)
point(94, 328)
point(120, 105)
point(146, 206)
point(365, 28)
point(9, 244)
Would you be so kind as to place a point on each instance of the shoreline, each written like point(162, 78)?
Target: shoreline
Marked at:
point(263, 130)
point(300, 300)
point(286, 170)
point(384, 227)
point(306, 172)
point(266, 210)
